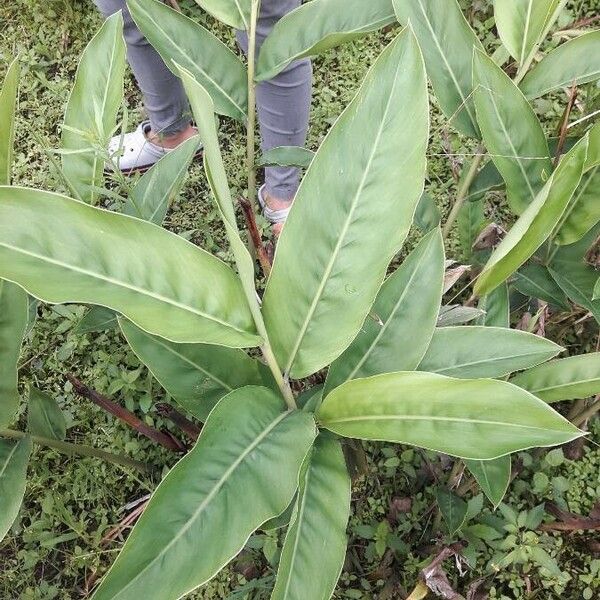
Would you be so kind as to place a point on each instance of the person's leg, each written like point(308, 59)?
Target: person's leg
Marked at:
point(164, 98)
point(283, 107)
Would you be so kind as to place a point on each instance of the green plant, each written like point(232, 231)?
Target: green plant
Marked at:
point(186, 315)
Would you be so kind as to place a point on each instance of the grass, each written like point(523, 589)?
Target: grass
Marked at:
point(55, 549)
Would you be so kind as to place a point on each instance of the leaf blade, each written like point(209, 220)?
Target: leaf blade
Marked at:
point(315, 545)
point(44, 417)
point(537, 222)
point(8, 105)
point(197, 376)
point(574, 62)
point(93, 106)
point(564, 379)
point(511, 131)
point(316, 27)
point(262, 455)
point(473, 351)
point(468, 418)
point(447, 41)
point(14, 311)
point(493, 477)
point(164, 284)
point(366, 208)
point(14, 457)
point(180, 40)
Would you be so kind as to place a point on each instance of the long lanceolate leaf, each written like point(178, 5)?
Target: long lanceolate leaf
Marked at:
point(61, 250)
point(406, 308)
point(243, 471)
point(521, 23)
point(473, 352)
point(159, 187)
point(537, 222)
point(13, 323)
point(477, 419)
point(8, 103)
point(235, 13)
point(511, 131)
point(535, 281)
point(357, 200)
point(44, 417)
point(14, 457)
point(318, 26)
point(447, 42)
point(564, 379)
point(576, 62)
point(315, 545)
point(180, 40)
point(493, 477)
point(92, 109)
point(203, 109)
point(196, 375)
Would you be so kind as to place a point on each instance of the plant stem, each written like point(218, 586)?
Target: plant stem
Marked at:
point(464, 190)
point(282, 382)
point(77, 449)
point(251, 127)
point(588, 413)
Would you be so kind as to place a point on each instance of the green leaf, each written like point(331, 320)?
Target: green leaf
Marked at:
point(471, 221)
point(92, 109)
point(447, 41)
point(157, 189)
point(316, 300)
point(316, 27)
point(473, 352)
point(521, 24)
point(453, 509)
point(13, 323)
point(14, 457)
point(243, 471)
point(487, 180)
point(77, 253)
point(315, 544)
point(596, 294)
point(575, 276)
point(564, 379)
point(493, 477)
point(455, 314)
point(497, 308)
point(535, 281)
point(235, 13)
point(536, 223)
point(44, 417)
point(196, 375)
point(8, 105)
point(180, 40)
point(583, 211)
point(512, 133)
point(427, 215)
point(203, 109)
point(97, 319)
point(286, 156)
point(406, 308)
point(477, 419)
point(575, 62)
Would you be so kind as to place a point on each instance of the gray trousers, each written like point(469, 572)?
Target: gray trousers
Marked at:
point(283, 103)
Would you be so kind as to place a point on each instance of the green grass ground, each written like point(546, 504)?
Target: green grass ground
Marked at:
point(54, 550)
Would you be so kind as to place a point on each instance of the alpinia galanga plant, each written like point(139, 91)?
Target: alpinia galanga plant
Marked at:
point(394, 375)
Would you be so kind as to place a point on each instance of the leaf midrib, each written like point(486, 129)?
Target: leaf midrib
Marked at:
point(7, 461)
point(211, 495)
point(372, 418)
point(561, 385)
point(116, 282)
point(493, 360)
